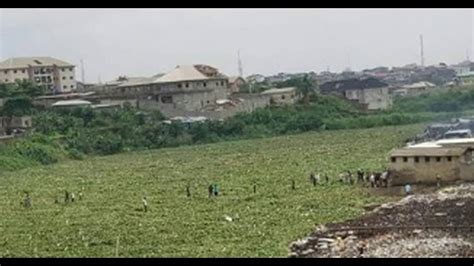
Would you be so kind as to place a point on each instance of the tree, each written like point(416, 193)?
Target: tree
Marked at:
point(305, 87)
point(17, 106)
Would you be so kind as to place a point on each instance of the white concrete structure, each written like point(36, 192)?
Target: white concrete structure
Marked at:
point(54, 74)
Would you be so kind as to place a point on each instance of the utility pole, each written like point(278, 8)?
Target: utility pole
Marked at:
point(421, 51)
point(239, 63)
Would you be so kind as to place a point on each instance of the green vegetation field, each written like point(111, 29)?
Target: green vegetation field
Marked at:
point(263, 223)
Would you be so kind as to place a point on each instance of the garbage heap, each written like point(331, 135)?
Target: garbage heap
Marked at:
point(439, 224)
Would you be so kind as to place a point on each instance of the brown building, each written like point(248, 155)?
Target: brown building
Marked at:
point(235, 83)
point(452, 160)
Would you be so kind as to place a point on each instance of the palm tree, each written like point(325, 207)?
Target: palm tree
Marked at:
point(305, 87)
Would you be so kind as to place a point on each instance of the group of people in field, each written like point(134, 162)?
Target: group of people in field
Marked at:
point(375, 178)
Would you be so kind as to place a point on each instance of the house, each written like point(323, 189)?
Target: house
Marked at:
point(56, 75)
point(281, 96)
point(463, 67)
point(466, 78)
point(256, 78)
point(235, 83)
point(423, 164)
point(10, 124)
point(370, 93)
point(183, 91)
point(414, 89)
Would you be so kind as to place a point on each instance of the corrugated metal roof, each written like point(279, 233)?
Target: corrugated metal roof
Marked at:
point(456, 141)
point(279, 90)
point(24, 62)
point(71, 103)
point(411, 152)
point(421, 84)
point(182, 73)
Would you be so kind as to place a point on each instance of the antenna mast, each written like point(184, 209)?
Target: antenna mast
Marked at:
point(421, 50)
point(239, 62)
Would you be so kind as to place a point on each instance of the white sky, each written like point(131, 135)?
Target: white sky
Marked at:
point(143, 42)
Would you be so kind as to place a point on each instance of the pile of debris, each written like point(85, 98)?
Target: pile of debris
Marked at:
point(439, 224)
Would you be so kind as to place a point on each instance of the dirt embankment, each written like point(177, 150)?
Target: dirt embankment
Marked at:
point(438, 224)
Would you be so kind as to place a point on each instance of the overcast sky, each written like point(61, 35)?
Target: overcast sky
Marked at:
point(143, 42)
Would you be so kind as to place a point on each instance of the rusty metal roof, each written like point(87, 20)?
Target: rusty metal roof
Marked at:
point(412, 152)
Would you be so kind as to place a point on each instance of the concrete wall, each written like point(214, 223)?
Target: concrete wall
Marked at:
point(61, 77)
point(283, 98)
point(376, 98)
point(425, 172)
point(246, 103)
point(67, 79)
point(9, 76)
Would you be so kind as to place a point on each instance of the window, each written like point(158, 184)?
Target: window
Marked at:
point(72, 86)
point(405, 159)
point(6, 71)
point(166, 99)
point(64, 78)
point(179, 86)
point(23, 71)
point(186, 85)
point(222, 83)
point(70, 69)
point(427, 159)
point(62, 69)
point(417, 160)
point(438, 159)
point(14, 71)
point(394, 159)
point(204, 84)
point(6, 80)
point(449, 159)
point(71, 77)
point(217, 83)
point(283, 97)
point(208, 102)
point(64, 87)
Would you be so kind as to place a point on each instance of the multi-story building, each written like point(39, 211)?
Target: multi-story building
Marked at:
point(369, 93)
point(54, 74)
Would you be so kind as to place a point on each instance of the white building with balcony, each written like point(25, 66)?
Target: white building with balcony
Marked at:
point(54, 74)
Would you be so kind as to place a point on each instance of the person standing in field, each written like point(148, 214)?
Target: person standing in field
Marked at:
point(188, 191)
point(317, 179)
point(27, 201)
point(372, 180)
point(145, 204)
point(312, 179)
point(66, 196)
point(293, 184)
point(210, 190)
point(342, 177)
point(360, 176)
point(326, 177)
point(438, 181)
